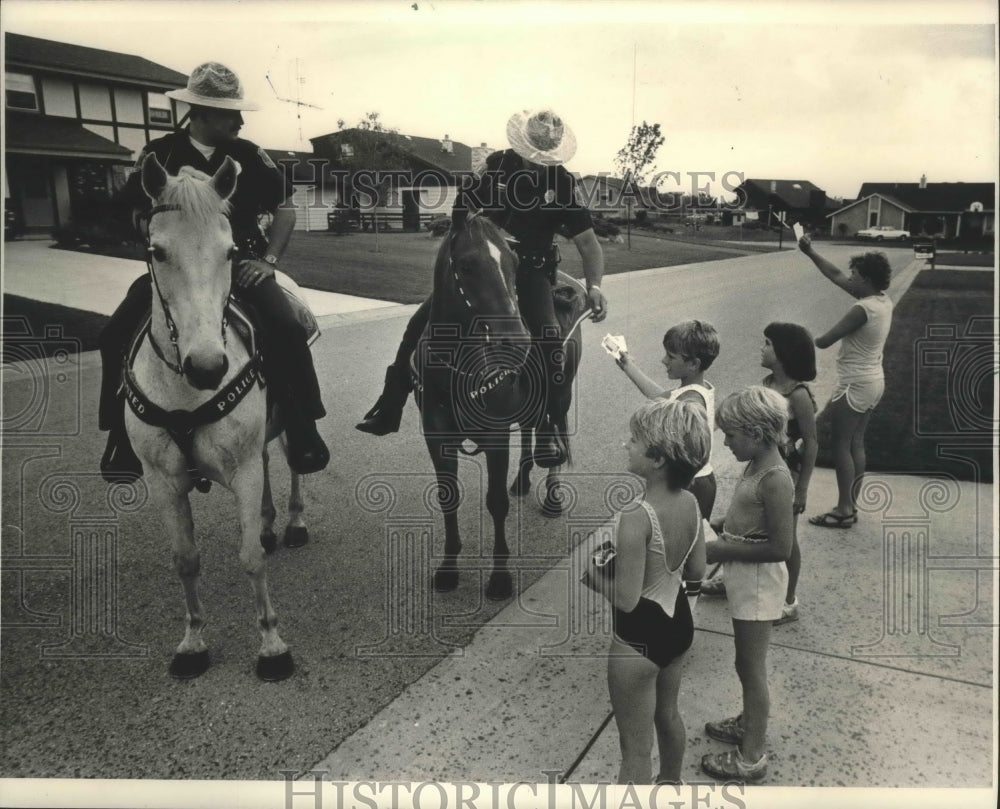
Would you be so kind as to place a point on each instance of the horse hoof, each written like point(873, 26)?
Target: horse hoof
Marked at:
point(521, 486)
point(275, 668)
point(445, 579)
point(187, 665)
point(269, 542)
point(296, 536)
point(500, 587)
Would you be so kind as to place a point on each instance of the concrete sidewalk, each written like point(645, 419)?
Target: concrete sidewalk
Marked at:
point(36, 270)
point(885, 681)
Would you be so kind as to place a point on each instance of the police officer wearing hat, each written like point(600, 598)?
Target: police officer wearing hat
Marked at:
point(215, 94)
point(526, 191)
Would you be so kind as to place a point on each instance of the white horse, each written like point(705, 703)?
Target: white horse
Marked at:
point(197, 408)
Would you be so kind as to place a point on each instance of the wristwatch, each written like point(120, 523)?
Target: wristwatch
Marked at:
point(271, 259)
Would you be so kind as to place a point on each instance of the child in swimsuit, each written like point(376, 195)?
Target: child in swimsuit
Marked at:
point(659, 544)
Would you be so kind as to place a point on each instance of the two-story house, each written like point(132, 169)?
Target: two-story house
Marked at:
point(76, 119)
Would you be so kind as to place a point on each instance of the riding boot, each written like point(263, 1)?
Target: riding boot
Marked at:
point(387, 413)
point(119, 464)
point(307, 452)
point(550, 450)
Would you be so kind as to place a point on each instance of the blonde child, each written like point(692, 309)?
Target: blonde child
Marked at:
point(690, 348)
point(754, 544)
point(789, 354)
point(658, 543)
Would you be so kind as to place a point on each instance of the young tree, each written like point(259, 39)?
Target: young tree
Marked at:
point(375, 149)
point(635, 159)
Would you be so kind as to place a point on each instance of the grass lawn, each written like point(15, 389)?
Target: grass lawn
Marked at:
point(940, 368)
point(402, 269)
point(23, 316)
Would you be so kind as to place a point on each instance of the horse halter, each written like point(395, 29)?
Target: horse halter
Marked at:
point(468, 304)
point(177, 367)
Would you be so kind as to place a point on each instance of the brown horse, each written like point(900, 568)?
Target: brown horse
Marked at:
point(476, 376)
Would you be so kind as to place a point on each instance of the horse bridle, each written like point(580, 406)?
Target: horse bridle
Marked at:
point(468, 304)
point(177, 367)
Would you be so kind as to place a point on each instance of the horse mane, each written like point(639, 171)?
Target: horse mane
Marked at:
point(192, 191)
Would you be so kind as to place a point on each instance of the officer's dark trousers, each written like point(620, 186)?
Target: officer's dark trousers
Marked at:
point(288, 365)
point(534, 297)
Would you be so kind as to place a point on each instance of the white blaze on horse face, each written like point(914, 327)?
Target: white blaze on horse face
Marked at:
point(497, 255)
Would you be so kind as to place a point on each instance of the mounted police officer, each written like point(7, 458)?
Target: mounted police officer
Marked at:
point(526, 191)
point(215, 94)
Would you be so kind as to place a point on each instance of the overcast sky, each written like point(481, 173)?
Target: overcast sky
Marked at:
point(837, 93)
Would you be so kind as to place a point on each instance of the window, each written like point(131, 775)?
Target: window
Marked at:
point(21, 94)
point(159, 109)
point(346, 150)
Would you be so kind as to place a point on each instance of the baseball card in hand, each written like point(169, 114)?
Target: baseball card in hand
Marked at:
point(615, 345)
point(798, 230)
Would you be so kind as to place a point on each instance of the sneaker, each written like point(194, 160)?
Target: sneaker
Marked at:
point(714, 587)
point(728, 730)
point(789, 613)
point(731, 766)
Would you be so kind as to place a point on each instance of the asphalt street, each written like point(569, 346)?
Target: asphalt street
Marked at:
point(396, 683)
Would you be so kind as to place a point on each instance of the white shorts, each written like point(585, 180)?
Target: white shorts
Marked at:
point(755, 590)
point(862, 394)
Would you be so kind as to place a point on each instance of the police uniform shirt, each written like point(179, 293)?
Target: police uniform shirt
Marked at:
point(260, 187)
point(531, 205)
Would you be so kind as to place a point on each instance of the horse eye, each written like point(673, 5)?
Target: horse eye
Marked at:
point(231, 253)
point(159, 254)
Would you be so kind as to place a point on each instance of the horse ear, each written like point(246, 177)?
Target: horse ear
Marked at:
point(154, 177)
point(459, 211)
point(224, 181)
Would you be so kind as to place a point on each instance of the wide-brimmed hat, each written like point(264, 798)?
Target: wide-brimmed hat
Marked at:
point(213, 85)
point(541, 137)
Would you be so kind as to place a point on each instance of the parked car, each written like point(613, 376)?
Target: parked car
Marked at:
point(881, 232)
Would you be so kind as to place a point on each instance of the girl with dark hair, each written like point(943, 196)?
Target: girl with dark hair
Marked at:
point(789, 354)
point(862, 333)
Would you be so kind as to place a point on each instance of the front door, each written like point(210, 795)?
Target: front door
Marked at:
point(411, 209)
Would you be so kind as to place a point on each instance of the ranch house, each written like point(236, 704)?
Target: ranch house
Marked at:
point(962, 211)
point(76, 119)
point(410, 179)
point(785, 201)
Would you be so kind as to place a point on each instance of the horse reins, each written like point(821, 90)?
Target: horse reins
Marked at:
point(177, 367)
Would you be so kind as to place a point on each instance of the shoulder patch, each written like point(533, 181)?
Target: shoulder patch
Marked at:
point(265, 158)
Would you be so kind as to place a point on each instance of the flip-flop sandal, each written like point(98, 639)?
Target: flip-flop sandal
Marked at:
point(833, 520)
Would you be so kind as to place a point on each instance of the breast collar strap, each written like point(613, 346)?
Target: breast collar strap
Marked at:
point(182, 424)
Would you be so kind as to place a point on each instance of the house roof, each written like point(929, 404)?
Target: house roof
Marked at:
point(898, 203)
point(62, 137)
point(427, 151)
point(61, 57)
point(794, 193)
point(936, 197)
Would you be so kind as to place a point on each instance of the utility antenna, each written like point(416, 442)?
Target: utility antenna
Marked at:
point(635, 51)
point(297, 101)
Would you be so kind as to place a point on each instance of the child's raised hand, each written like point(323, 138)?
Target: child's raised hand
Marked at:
point(805, 243)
